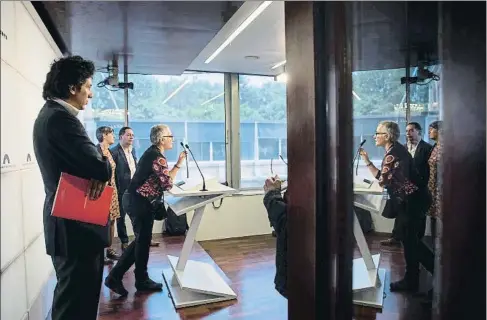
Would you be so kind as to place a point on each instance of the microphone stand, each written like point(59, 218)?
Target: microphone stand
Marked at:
point(196, 162)
point(187, 167)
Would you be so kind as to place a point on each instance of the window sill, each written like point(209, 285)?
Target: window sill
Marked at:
point(248, 192)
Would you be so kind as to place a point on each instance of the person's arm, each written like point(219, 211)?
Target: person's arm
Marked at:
point(69, 139)
point(276, 210)
point(161, 170)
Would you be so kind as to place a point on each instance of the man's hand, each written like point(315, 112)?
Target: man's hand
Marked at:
point(273, 183)
point(95, 189)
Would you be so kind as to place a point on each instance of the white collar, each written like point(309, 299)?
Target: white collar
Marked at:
point(67, 106)
point(128, 149)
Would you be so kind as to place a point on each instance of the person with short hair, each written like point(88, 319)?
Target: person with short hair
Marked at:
point(409, 199)
point(126, 162)
point(106, 138)
point(420, 151)
point(150, 180)
point(61, 144)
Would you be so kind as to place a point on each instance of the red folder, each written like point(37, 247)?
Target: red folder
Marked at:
point(71, 201)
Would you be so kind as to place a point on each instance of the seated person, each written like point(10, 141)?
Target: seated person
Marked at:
point(276, 206)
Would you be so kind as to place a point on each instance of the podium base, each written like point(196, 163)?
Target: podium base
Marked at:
point(198, 284)
point(372, 297)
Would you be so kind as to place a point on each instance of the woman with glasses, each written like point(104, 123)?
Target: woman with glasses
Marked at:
point(152, 177)
point(106, 138)
point(405, 198)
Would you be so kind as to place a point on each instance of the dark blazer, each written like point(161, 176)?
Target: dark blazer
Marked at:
point(62, 145)
point(122, 171)
point(420, 161)
point(276, 206)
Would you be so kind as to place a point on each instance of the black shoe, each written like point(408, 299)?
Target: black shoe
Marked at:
point(148, 285)
point(112, 254)
point(404, 285)
point(116, 286)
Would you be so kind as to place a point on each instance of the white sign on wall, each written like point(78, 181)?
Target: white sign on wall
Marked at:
point(7, 34)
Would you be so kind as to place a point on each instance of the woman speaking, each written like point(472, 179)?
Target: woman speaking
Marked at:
point(152, 177)
point(407, 199)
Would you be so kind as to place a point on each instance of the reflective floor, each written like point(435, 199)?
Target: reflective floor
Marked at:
point(249, 267)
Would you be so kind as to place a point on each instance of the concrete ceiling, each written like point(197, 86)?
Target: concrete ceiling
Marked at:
point(171, 37)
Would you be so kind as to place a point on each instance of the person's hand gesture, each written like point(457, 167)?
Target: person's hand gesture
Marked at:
point(364, 155)
point(273, 183)
point(181, 158)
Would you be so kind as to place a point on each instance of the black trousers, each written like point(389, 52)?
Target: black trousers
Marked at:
point(412, 229)
point(139, 211)
point(78, 287)
point(121, 227)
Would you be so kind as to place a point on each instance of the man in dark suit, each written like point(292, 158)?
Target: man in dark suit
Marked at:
point(126, 161)
point(62, 145)
point(420, 152)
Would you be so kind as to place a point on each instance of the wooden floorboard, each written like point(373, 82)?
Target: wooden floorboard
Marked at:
point(248, 264)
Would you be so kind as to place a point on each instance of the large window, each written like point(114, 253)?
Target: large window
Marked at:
point(106, 108)
point(263, 134)
point(193, 106)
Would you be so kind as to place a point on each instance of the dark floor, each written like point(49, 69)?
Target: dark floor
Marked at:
point(248, 264)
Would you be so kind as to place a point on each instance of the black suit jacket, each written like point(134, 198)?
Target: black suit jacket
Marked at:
point(62, 145)
point(420, 161)
point(122, 171)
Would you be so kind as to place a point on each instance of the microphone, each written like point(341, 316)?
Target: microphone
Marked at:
point(187, 167)
point(357, 155)
point(196, 162)
point(280, 156)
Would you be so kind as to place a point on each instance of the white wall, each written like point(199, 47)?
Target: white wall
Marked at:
point(239, 216)
point(27, 50)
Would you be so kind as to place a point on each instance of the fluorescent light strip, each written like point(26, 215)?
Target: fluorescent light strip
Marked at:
point(176, 91)
point(356, 95)
point(240, 28)
point(279, 64)
point(215, 97)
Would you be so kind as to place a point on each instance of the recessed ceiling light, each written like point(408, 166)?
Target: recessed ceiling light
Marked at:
point(252, 57)
point(239, 29)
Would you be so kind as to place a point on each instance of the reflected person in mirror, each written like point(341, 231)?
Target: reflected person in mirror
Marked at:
point(408, 198)
point(152, 177)
point(61, 144)
point(276, 206)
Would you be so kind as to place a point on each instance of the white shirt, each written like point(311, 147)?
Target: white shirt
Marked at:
point(67, 106)
point(412, 148)
point(130, 160)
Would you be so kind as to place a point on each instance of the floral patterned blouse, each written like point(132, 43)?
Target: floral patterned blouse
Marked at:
point(435, 208)
point(395, 173)
point(114, 206)
point(158, 181)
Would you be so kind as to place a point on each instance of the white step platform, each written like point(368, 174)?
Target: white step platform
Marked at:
point(199, 283)
point(192, 283)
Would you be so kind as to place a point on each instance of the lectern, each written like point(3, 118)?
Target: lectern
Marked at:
point(190, 282)
point(368, 278)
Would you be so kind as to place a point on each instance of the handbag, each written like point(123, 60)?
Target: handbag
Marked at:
point(391, 209)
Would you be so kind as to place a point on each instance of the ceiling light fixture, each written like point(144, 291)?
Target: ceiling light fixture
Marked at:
point(185, 82)
point(278, 64)
point(215, 97)
point(356, 95)
point(240, 28)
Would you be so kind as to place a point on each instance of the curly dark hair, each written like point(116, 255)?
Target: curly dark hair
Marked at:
point(66, 73)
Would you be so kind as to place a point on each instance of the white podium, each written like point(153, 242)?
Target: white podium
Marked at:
point(368, 278)
point(192, 283)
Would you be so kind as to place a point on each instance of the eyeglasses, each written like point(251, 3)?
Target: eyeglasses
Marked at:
point(172, 137)
point(378, 133)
